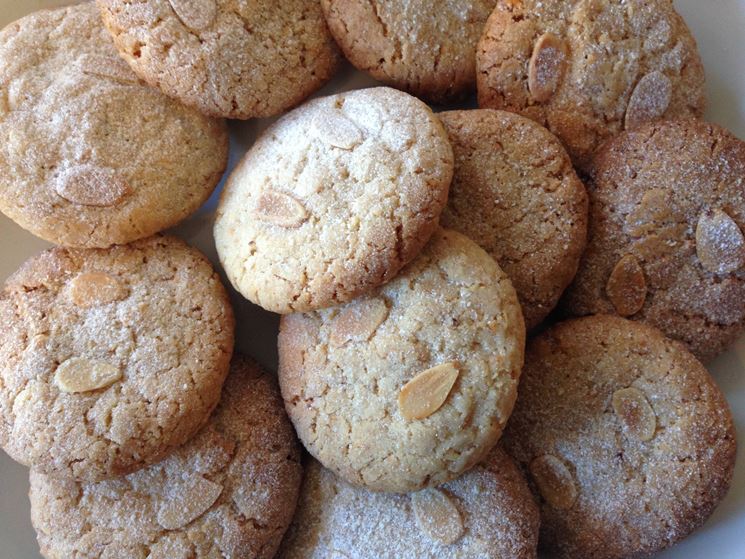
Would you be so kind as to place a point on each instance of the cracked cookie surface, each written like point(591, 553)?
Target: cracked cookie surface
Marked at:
point(333, 200)
point(588, 69)
point(343, 371)
point(226, 58)
point(110, 358)
point(89, 155)
point(667, 211)
point(626, 439)
point(516, 194)
point(229, 492)
point(491, 505)
point(429, 52)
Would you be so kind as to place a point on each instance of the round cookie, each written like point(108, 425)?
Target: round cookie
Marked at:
point(229, 492)
point(410, 386)
point(227, 59)
point(626, 438)
point(516, 194)
point(428, 52)
point(89, 155)
point(488, 513)
point(110, 358)
point(588, 69)
point(333, 200)
point(667, 211)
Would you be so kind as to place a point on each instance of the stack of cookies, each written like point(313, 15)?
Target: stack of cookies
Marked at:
point(583, 207)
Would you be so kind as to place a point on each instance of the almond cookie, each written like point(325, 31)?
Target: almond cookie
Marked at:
point(488, 513)
point(333, 200)
point(89, 155)
point(410, 386)
point(427, 51)
point(110, 358)
point(627, 440)
point(667, 211)
point(588, 69)
point(516, 194)
point(229, 492)
point(226, 58)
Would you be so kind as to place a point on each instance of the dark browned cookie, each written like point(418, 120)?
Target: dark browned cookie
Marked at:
point(626, 438)
point(667, 211)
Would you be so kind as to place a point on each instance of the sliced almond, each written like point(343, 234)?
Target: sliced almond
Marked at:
point(280, 209)
point(107, 67)
point(78, 374)
point(720, 244)
point(652, 212)
point(437, 516)
point(650, 99)
point(190, 503)
point(335, 129)
point(91, 289)
point(554, 480)
point(638, 417)
point(90, 185)
point(358, 321)
point(195, 14)
point(546, 67)
point(626, 287)
point(425, 393)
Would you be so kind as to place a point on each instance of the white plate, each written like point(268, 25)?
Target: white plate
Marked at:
point(718, 27)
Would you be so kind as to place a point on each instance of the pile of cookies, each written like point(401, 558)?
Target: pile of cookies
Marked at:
point(583, 206)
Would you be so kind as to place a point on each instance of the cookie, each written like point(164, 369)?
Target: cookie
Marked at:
point(89, 155)
point(516, 194)
point(589, 69)
point(110, 358)
point(229, 492)
point(488, 513)
point(410, 386)
point(428, 52)
point(666, 243)
point(333, 200)
point(227, 59)
point(627, 440)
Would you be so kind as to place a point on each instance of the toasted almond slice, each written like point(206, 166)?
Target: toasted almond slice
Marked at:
point(437, 516)
point(107, 67)
point(632, 407)
point(78, 374)
point(546, 66)
point(91, 289)
point(191, 502)
point(554, 481)
point(720, 245)
point(280, 209)
point(626, 287)
point(90, 185)
point(650, 99)
point(335, 129)
point(195, 14)
point(425, 393)
point(358, 321)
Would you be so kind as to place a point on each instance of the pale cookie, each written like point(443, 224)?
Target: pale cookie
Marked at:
point(229, 492)
point(626, 439)
point(488, 513)
point(588, 69)
point(89, 155)
point(516, 194)
point(333, 200)
point(426, 50)
point(110, 358)
point(411, 385)
point(228, 59)
point(667, 215)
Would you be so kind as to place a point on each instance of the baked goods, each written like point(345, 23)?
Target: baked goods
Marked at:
point(425, 50)
point(229, 492)
point(588, 69)
point(627, 439)
point(333, 200)
point(516, 194)
point(488, 513)
point(666, 244)
point(410, 386)
point(228, 59)
point(90, 156)
point(109, 359)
